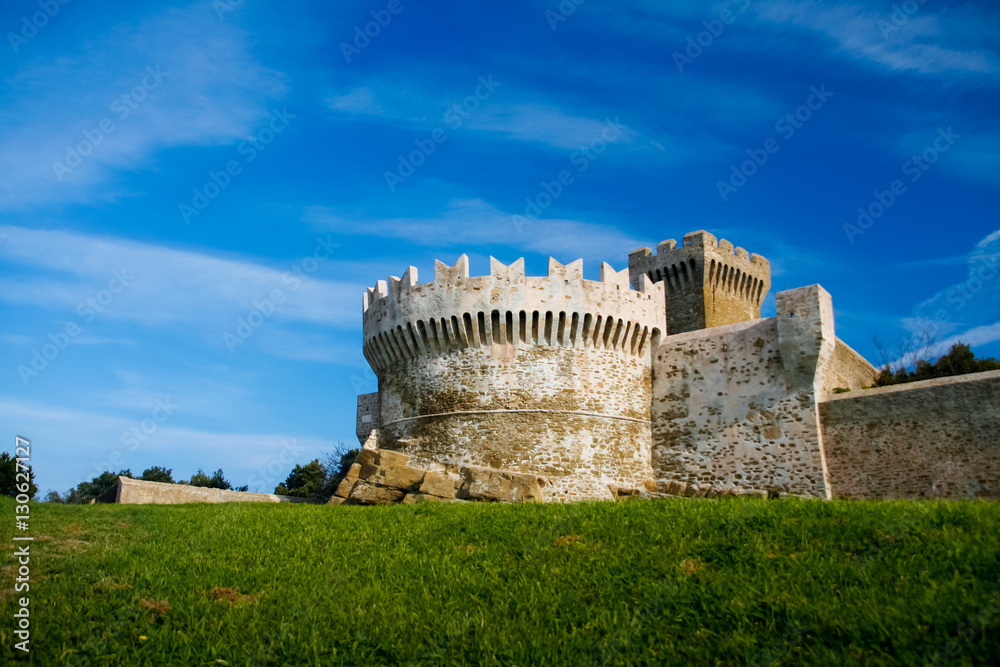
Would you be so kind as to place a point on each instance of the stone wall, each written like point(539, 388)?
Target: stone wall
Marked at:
point(137, 492)
point(536, 375)
point(849, 370)
point(932, 439)
point(735, 406)
point(578, 417)
point(368, 416)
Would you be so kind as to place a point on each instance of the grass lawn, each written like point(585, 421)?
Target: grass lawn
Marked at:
point(681, 581)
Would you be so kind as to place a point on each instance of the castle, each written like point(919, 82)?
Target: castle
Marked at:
point(660, 379)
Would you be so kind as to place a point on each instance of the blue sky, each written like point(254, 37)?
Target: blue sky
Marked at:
point(168, 169)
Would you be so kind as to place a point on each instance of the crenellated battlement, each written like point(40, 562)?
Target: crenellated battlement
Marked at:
point(456, 311)
point(708, 282)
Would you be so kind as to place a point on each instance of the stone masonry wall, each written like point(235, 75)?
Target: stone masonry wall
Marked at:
point(367, 416)
point(577, 417)
point(849, 370)
point(936, 438)
point(735, 406)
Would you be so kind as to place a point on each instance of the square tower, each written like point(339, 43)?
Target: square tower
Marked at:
point(707, 283)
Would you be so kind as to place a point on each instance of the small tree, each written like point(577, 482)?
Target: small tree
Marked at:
point(959, 361)
point(304, 481)
point(200, 479)
point(87, 491)
point(157, 474)
point(8, 477)
point(216, 481)
point(337, 464)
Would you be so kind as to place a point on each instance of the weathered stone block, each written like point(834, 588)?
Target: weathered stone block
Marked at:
point(335, 500)
point(345, 487)
point(365, 493)
point(366, 456)
point(389, 459)
point(441, 484)
point(500, 486)
point(402, 477)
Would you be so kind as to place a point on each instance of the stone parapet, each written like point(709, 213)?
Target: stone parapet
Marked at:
point(455, 312)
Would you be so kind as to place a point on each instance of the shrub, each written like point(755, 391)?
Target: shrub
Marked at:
point(157, 474)
point(304, 481)
point(9, 480)
point(960, 360)
point(216, 481)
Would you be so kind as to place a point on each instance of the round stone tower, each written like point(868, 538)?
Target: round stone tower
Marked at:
point(543, 375)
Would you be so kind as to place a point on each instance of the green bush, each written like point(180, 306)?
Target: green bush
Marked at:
point(960, 360)
point(8, 477)
point(157, 474)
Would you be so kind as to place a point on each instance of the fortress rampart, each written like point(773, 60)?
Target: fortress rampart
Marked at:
point(545, 375)
point(660, 380)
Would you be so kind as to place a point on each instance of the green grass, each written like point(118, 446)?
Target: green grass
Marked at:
point(730, 582)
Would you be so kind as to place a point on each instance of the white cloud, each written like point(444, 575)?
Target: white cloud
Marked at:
point(166, 285)
point(411, 107)
point(927, 42)
point(967, 310)
point(473, 223)
point(358, 101)
point(82, 444)
point(211, 92)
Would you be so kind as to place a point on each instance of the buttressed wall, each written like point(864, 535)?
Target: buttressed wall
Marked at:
point(545, 375)
point(735, 406)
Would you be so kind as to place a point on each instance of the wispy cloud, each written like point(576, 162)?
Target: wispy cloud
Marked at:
point(466, 223)
point(166, 286)
point(967, 310)
point(81, 444)
point(928, 43)
point(526, 117)
point(178, 78)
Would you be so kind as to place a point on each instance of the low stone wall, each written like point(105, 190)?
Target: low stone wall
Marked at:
point(931, 439)
point(137, 492)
